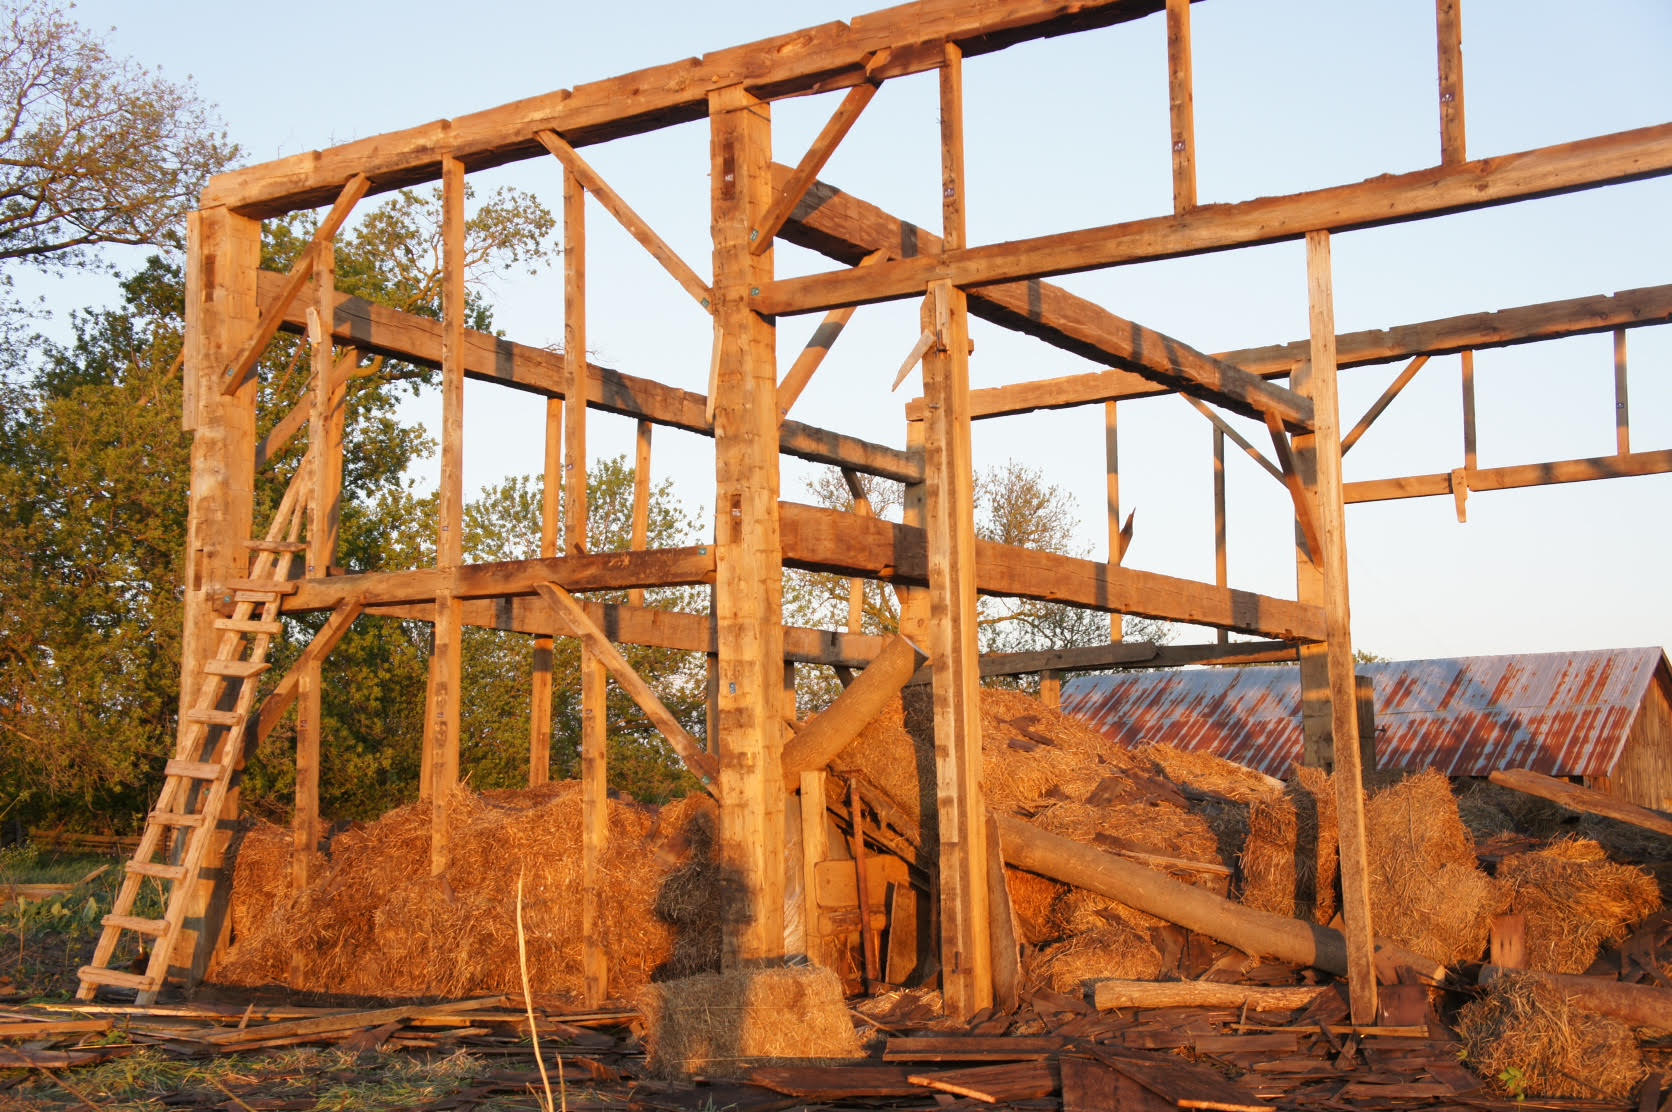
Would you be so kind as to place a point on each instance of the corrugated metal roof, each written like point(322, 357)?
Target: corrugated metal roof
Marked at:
point(1563, 714)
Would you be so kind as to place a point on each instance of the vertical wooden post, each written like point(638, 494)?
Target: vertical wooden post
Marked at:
point(540, 695)
point(576, 384)
point(914, 601)
point(1221, 563)
point(223, 254)
point(1329, 512)
point(1309, 588)
point(1622, 408)
point(304, 826)
point(856, 586)
point(1469, 444)
point(641, 500)
point(1111, 468)
point(1449, 28)
point(594, 826)
point(447, 656)
point(749, 553)
point(1050, 688)
point(815, 847)
point(966, 944)
point(1181, 103)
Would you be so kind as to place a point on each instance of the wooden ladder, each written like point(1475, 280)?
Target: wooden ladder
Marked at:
point(208, 753)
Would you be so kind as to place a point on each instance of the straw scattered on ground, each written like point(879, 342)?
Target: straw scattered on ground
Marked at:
point(1113, 950)
point(1524, 1037)
point(719, 1024)
point(1575, 901)
point(1426, 891)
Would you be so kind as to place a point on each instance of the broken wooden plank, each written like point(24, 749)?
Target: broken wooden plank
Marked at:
point(343, 1021)
point(967, 1048)
point(994, 1084)
point(1185, 1084)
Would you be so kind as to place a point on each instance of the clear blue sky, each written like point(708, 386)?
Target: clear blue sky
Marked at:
point(1073, 132)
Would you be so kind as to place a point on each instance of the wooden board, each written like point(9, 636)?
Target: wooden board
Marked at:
point(1576, 797)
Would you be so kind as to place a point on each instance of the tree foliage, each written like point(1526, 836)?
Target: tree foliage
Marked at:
point(94, 149)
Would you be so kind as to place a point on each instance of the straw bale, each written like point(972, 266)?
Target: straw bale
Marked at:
point(261, 857)
point(1575, 901)
point(1207, 772)
point(375, 923)
point(1527, 1039)
point(1115, 950)
point(1033, 899)
point(1290, 859)
point(720, 1024)
point(1426, 891)
point(687, 898)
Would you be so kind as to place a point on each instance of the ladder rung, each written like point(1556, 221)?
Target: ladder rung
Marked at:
point(215, 717)
point(116, 978)
point(276, 546)
point(156, 928)
point(175, 818)
point(157, 869)
point(242, 669)
point(264, 586)
point(195, 770)
point(261, 598)
point(249, 625)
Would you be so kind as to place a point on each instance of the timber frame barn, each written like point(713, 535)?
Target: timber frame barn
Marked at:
point(245, 575)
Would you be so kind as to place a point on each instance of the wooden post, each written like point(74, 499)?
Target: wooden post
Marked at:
point(1330, 514)
point(1470, 461)
point(914, 501)
point(576, 380)
point(223, 254)
point(749, 555)
point(1181, 103)
point(856, 586)
point(966, 943)
point(594, 827)
point(540, 696)
point(1309, 588)
point(1221, 565)
point(641, 500)
point(304, 824)
point(1050, 688)
point(1449, 24)
point(1622, 410)
point(447, 656)
point(1111, 467)
point(815, 847)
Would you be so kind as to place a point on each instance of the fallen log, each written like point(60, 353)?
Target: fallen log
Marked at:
point(1576, 797)
point(818, 742)
point(1201, 994)
point(1638, 1005)
point(1254, 932)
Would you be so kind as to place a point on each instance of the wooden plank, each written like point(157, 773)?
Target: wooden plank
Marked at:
point(748, 584)
point(268, 326)
point(1111, 482)
point(304, 822)
point(1576, 797)
point(589, 179)
point(817, 539)
point(1181, 105)
point(446, 655)
point(1622, 408)
point(971, 1048)
point(1113, 993)
point(1185, 1084)
point(1470, 463)
point(844, 227)
point(815, 847)
point(835, 1083)
point(540, 688)
point(1221, 557)
point(595, 827)
point(1090, 1086)
point(594, 639)
point(343, 1021)
point(1511, 477)
point(994, 1084)
point(641, 500)
point(807, 170)
point(1003, 932)
point(1449, 35)
point(1389, 199)
point(1379, 406)
point(831, 56)
point(489, 358)
point(577, 381)
point(1322, 388)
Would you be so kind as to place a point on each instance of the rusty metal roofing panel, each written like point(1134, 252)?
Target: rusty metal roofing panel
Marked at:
point(1563, 714)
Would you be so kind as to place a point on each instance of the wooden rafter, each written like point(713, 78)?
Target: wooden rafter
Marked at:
point(294, 282)
point(627, 218)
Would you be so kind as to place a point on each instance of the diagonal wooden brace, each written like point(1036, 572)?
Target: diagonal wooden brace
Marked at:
point(1297, 489)
point(807, 170)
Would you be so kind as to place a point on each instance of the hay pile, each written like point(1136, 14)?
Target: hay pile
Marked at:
point(1110, 950)
point(1291, 857)
point(1526, 1038)
point(1426, 891)
point(1575, 901)
point(719, 1024)
point(375, 923)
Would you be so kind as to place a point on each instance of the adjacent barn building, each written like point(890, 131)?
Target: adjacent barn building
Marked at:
point(1603, 717)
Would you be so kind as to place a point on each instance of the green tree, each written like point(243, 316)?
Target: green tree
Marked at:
point(94, 149)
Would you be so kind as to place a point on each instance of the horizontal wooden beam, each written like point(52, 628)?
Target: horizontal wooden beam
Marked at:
point(849, 229)
point(632, 625)
point(830, 56)
point(1134, 654)
point(1524, 324)
point(379, 330)
point(847, 544)
point(604, 571)
point(1507, 478)
point(1546, 171)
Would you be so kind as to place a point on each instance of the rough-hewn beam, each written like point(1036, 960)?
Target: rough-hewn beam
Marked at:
point(1516, 475)
point(830, 56)
point(607, 571)
point(846, 544)
point(379, 330)
point(846, 228)
point(1546, 171)
point(1134, 654)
